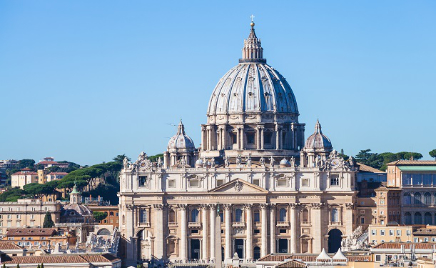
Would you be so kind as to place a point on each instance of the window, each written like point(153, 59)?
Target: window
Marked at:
point(334, 180)
point(256, 182)
point(256, 216)
point(377, 258)
point(335, 215)
point(194, 231)
point(143, 216)
point(256, 231)
point(408, 232)
point(267, 137)
point(382, 232)
point(282, 182)
point(250, 138)
point(283, 231)
point(362, 220)
point(398, 232)
point(282, 214)
point(194, 183)
point(305, 182)
point(362, 212)
point(416, 240)
point(219, 182)
point(391, 232)
point(427, 198)
point(194, 215)
point(425, 239)
point(305, 215)
point(407, 218)
point(418, 218)
point(407, 199)
point(172, 184)
point(374, 232)
point(427, 218)
point(238, 215)
point(222, 217)
point(142, 181)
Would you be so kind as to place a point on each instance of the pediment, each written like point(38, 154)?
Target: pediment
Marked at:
point(238, 186)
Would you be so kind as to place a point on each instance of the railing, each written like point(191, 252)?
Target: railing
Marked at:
point(194, 224)
point(238, 224)
point(144, 224)
point(283, 224)
point(172, 224)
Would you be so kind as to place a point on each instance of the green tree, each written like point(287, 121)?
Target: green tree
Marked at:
point(120, 158)
point(18, 266)
point(432, 153)
point(154, 158)
point(48, 221)
point(370, 159)
point(42, 265)
point(39, 266)
point(99, 216)
point(26, 163)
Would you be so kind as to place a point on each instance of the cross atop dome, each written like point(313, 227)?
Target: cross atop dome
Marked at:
point(252, 51)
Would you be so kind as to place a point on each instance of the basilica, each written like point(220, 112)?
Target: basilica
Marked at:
point(273, 190)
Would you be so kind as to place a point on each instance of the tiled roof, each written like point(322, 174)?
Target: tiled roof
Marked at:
point(397, 245)
point(62, 259)
point(274, 257)
point(281, 257)
point(7, 245)
point(365, 168)
point(25, 173)
point(425, 231)
point(31, 231)
point(412, 162)
point(292, 264)
point(359, 258)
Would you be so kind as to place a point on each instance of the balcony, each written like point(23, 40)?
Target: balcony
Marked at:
point(144, 224)
point(172, 224)
point(194, 224)
point(282, 224)
point(238, 224)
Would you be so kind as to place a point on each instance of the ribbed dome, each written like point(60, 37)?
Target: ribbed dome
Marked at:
point(181, 140)
point(318, 140)
point(252, 86)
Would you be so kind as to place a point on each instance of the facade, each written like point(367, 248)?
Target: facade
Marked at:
point(416, 182)
point(49, 162)
point(44, 237)
point(23, 177)
point(273, 190)
point(112, 214)
point(401, 233)
point(26, 213)
point(69, 260)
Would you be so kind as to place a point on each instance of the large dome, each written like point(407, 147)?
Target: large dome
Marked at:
point(252, 86)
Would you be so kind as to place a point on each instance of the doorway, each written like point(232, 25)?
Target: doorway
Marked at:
point(335, 238)
point(195, 249)
point(283, 246)
point(239, 247)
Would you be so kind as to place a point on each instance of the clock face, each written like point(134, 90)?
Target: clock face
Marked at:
point(143, 165)
point(335, 162)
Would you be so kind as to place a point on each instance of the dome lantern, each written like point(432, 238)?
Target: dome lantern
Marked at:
point(252, 51)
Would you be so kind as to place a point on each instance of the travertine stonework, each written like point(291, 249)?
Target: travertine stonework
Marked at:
point(274, 191)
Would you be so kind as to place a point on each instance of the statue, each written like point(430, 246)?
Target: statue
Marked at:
point(262, 161)
point(238, 160)
point(183, 162)
point(248, 160)
point(125, 162)
point(212, 162)
point(292, 162)
point(271, 161)
point(226, 161)
point(159, 162)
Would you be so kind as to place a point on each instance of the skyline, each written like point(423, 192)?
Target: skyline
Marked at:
point(84, 87)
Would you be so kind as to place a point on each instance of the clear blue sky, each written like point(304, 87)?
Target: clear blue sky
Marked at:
point(87, 80)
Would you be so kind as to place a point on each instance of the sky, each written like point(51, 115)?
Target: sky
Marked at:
point(85, 81)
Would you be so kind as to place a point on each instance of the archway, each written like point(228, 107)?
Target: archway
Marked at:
point(103, 231)
point(335, 238)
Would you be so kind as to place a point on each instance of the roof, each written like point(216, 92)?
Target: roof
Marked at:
point(292, 264)
point(365, 168)
point(8, 245)
point(323, 256)
point(417, 168)
point(25, 173)
point(70, 258)
point(412, 162)
point(31, 232)
point(308, 257)
point(397, 245)
point(339, 255)
point(425, 231)
point(274, 257)
point(318, 140)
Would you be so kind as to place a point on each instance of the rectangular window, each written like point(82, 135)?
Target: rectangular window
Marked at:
point(281, 182)
point(143, 216)
point(256, 231)
point(391, 232)
point(283, 231)
point(219, 182)
point(377, 258)
point(382, 232)
point(172, 184)
point(256, 216)
point(408, 232)
point(267, 137)
point(374, 232)
point(142, 180)
point(362, 220)
point(305, 182)
point(256, 182)
point(250, 138)
point(194, 231)
point(398, 232)
point(194, 183)
point(334, 180)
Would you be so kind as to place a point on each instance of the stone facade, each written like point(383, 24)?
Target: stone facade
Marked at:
point(274, 191)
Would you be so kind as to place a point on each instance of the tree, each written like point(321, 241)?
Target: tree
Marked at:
point(26, 163)
point(48, 221)
point(432, 153)
point(370, 159)
point(42, 265)
point(39, 266)
point(154, 158)
point(99, 216)
point(120, 158)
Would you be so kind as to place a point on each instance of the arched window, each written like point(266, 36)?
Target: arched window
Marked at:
point(427, 198)
point(407, 218)
point(282, 214)
point(418, 218)
point(427, 218)
point(172, 216)
point(407, 199)
point(417, 198)
point(305, 215)
point(335, 215)
point(238, 215)
point(194, 215)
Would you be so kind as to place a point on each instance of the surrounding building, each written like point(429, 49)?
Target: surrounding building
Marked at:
point(39, 236)
point(23, 177)
point(49, 162)
point(27, 213)
point(273, 191)
point(70, 261)
point(370, 174)
point(402, 254)
point(112, 214)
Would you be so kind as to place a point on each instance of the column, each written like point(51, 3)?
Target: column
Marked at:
point(242, 138)
point(203, 138)
point(258, 138)
point(317, 232)
point(264, 230)
point(183, 236)
point(224, 137)
point(159, 233)
point(238, 139)
point(228, 219)
point(293, 215)
point(212, 231)
point(281, 138)
point(272, 215)
point(262, 142)
point(204, 211)
point(209, 138)
point(218, 139)
point(249, 240)
point(277, 137)
point(349, 216)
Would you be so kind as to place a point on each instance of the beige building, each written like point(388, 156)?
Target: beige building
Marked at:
point(378, 234)
point(27, 213)
point(23, 177)
point(274, 191)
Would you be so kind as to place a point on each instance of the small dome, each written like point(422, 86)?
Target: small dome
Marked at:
point(181, 141)
point(285, 162)
point(199, 162)
point(318, 140)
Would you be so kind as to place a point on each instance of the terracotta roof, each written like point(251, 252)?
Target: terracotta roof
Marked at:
point(412, 162)
point(397, 245)
point(31, 232)
point(359, 258)
point(281, 257)
point(7, 245)
point(25, 173)
point(292, 264)
point(425, 231)
point(47, 259)
point(274, 257)
point(365, 168)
